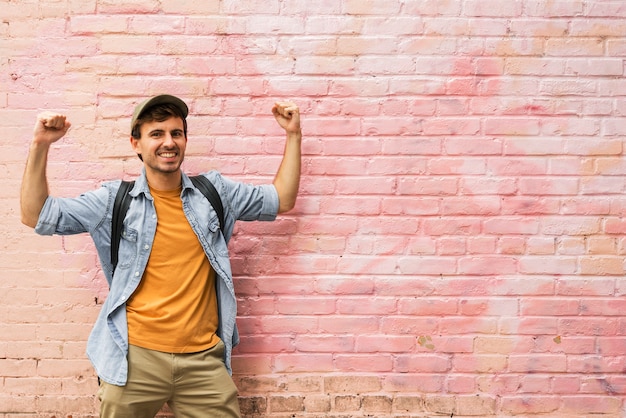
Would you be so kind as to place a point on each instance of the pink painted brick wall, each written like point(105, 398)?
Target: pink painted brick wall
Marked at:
point(457, 248)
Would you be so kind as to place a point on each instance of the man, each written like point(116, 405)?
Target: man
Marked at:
point(167, 328)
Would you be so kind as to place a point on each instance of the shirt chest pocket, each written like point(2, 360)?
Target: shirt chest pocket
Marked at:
point(128, 247)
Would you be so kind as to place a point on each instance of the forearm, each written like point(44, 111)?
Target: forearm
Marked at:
point(34, 189)
point(287, 180)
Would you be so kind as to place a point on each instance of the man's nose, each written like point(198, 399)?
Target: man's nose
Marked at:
point(169, 139)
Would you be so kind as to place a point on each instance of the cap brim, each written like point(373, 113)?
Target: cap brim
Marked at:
point(157, 100)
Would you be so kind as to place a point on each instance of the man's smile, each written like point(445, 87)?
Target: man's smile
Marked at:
point(167, 154)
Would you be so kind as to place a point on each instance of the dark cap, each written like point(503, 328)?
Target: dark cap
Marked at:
point(157, 100)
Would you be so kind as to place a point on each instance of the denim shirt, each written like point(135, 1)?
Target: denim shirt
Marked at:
point(107, 347)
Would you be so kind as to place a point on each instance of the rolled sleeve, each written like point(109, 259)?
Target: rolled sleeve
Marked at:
point(68, 216)
point(247, 202)
point(269, 210)
point(48, 217)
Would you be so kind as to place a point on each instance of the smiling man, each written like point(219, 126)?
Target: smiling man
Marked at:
point(167, 328)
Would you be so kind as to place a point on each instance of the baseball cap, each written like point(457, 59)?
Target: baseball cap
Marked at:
point(157, 100)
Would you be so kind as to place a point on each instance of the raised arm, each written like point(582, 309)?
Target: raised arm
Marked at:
point(49, 128)
point(287, 180)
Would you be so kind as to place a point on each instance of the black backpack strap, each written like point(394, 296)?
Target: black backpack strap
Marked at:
point(209, 191)
point(120, 207)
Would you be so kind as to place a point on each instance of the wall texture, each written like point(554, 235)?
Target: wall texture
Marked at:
point(458, 246)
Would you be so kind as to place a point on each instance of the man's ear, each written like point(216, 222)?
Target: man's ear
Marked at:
point(134, 144)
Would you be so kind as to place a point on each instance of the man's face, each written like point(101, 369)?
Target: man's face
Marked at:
point(162, 145)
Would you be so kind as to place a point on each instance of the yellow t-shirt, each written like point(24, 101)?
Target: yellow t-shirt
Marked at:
point(174, 308)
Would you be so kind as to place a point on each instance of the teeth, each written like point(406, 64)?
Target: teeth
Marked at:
point(168, 154)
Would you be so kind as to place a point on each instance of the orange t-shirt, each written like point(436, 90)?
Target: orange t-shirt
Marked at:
point(174, 308)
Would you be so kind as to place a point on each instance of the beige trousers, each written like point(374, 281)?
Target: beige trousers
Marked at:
point(193, 385)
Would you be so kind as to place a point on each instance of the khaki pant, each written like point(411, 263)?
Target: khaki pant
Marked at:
point(193, 385)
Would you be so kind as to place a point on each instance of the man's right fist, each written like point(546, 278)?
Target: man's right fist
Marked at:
point(50, 127)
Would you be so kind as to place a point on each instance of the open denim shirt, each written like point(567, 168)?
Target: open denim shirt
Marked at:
point(91, 212)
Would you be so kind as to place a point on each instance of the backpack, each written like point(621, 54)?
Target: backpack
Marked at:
point(122, 201)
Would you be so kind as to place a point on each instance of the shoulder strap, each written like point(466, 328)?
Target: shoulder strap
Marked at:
point(120, 207)
point(209, 191)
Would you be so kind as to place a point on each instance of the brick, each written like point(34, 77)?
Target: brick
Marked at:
point(410, 383)
point(425, 363)
point(408, 403)
point(591, 404)
point(501, 345)
point(258, 384)
point(347, 403)
point(427, 307)
point(344, 287)
point(603, 307)
point(21, 386)
point(581, 286)
point(584, 28)
point(588, 326)
point(437, 227)
point(319, 306)
point(546, 363)
point(488, 307)
point(425, 265)
point(379, 404)
point(438, 404)
point(592, 364)
point(420, 186)
point(171, 6)
point(468, 325)
point(602, 265)
point(339, 324)
point(286, 403)
point(529, 326)
point(265, 344)
point(250, 405)
point(90, 24)
point(303, 362)
point(18, 368)
point(321, 343)
point(534, 384)
point(492, 8)
point(18, 405)
point(476, 405)
point(445, 26)
point(461, 384)
point(257, 364)
point(369, 306)
point(363, 362)
point(346, 384)
point(488, 186)
point(64, 368)
point(479, 363)
point(487, 265)
point(549, 307)
point(537, 405)
point(307, 384)
point(568, 345)
point(317, 403)
point(355, 264)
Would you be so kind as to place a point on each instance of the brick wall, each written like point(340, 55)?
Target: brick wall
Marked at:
point(457, 248)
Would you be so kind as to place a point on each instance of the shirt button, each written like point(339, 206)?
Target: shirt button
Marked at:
point(136, 273)
point(153, 216)
point(145, 247)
